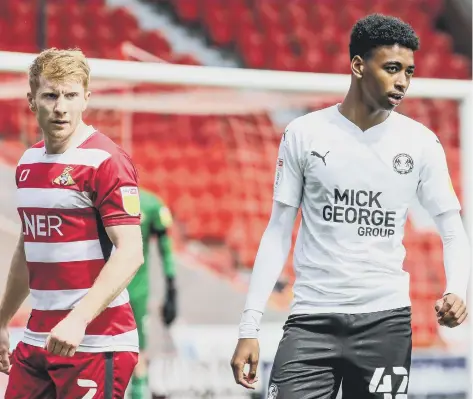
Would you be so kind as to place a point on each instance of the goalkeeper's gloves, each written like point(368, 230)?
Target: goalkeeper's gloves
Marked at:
point(169, 309)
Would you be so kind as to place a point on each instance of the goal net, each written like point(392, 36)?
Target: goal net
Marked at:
point(206, 140)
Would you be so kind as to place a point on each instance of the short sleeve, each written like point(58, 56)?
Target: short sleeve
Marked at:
point(435, 190)
point(116, 195)
point(289, 177)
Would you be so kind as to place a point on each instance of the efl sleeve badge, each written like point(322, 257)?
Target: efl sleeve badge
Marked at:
point(131, 200)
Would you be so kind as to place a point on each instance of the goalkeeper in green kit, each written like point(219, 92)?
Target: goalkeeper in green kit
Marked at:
point(156, 219)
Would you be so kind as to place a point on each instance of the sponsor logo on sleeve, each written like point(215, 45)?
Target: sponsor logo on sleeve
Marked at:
point(278, 177)
point(131, 200)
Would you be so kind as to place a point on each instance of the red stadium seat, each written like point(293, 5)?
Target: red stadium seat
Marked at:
point(254, 53)
point(220, 24)
point(188, 11)
point(457, 67)
point(155, 43)
point(184, 59)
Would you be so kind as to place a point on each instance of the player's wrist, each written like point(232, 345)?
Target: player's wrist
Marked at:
point(247, 332)
point(4, 319)
point(170, 282)
point(80, 316)
point(170, 287)
point(250, 324)
point(456, 289)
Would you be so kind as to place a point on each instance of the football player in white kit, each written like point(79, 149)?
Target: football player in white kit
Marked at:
point(354, 169)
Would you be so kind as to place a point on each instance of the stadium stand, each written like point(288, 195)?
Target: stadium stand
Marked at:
point(225, 164)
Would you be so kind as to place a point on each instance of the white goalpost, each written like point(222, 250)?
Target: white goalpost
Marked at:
point(287, 83)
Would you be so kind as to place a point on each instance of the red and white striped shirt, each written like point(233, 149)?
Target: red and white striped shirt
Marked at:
point(65, 201)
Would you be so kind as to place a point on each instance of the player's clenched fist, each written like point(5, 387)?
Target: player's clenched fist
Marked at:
point(4, 351)
point(451, 310)
point(64, 339)
point(246, 352)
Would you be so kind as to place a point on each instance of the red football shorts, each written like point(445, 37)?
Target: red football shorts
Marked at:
point(36, 374)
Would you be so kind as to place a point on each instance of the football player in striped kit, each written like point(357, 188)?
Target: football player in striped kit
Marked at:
point(81, 244)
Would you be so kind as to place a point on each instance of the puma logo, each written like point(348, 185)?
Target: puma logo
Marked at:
point(316, 154)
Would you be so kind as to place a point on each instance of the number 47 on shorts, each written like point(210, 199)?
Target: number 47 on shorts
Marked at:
point(382, 383)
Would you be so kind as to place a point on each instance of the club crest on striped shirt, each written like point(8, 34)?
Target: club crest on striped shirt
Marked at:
point(65, 178)
point(131, 200)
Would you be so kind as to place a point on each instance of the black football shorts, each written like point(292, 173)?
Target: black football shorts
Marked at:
point(367, 355)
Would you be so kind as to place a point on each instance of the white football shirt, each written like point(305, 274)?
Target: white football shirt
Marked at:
point(354, 188)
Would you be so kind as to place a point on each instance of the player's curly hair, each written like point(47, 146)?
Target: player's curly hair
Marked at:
point(380, 30)
point(59, 66)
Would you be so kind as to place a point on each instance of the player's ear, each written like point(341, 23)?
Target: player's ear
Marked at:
point(31, 101)
point(86, 102)
point(357, 66)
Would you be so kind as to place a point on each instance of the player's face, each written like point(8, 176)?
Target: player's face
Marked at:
point(387, 76)
point(58, 107)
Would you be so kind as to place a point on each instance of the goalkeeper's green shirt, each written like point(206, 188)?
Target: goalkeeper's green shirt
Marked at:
point(156, 219)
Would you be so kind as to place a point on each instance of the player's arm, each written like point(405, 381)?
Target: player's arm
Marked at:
point(270, 259)
point(452, 308)
point(116, 274)
point(272, 254)
point(16, 291)
point(436, 194)
point(276, 241)
point(160, 225)
point(162, 222)
point(17, 287)
point(112, 280)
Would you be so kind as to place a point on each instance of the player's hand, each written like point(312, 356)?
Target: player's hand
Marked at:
point(5, 353)
point(451, 311)
point(64, 339)
point(169, 309)
point(246, 352)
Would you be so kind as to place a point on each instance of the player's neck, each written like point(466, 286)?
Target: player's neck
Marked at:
point(59, 145)
point(358, 112)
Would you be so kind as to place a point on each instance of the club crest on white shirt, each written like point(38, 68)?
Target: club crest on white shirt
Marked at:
point(403, 164)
